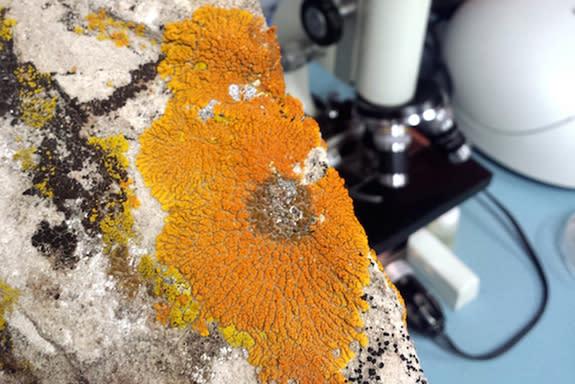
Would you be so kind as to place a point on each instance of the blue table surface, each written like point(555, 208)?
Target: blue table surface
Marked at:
point(510, 290)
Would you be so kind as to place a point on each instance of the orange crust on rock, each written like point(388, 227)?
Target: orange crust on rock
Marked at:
point(222, 161)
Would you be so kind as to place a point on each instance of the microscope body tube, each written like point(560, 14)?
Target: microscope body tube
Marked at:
point(391, 43)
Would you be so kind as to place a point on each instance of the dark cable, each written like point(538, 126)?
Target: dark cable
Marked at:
point(446, 342)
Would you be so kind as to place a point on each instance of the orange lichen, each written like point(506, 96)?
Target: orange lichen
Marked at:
point(120, 38)
point(277, 263)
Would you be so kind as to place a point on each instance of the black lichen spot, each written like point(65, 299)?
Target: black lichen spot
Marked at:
point(9, 94)
point(57, 243)
point(139, 78)
point(13, 369)
point(60, 175)
point(69, 18)
point(51, 174)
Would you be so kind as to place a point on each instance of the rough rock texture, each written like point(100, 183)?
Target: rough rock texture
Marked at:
point(78, 86)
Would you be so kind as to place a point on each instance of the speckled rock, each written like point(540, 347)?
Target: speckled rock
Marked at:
point(78, 85)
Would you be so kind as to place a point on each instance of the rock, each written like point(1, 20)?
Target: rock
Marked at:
point(80, 290)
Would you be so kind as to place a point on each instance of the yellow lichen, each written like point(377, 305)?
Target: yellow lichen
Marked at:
point(97, 21)
point(279, 265)
point(115, 217)
point(37, 106)
point(8, 298)
point(109, 28)
point(44, 189)
point(5, 28)
point(140, 30)
point(117, 226)
point(24, 156)
point(115, 161)
point(117, 220)
point(146, 268)
point(177, 308)
point(237, 338)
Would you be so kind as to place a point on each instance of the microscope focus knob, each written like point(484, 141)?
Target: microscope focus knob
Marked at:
point(322, 21)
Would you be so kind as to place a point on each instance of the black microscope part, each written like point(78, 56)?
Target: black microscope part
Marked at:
point(322, 21)
point(393, 162)
point(424, 314)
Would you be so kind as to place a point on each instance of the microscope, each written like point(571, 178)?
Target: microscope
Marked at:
point(395, 143)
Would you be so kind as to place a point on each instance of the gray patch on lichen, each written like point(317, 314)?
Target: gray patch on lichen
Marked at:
point(208, 111)
point(250, 91)
point(237, 93)
point(314, 167)
point(280, 208)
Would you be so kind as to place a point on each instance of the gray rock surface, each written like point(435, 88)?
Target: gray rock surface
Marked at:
point(82, 316)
